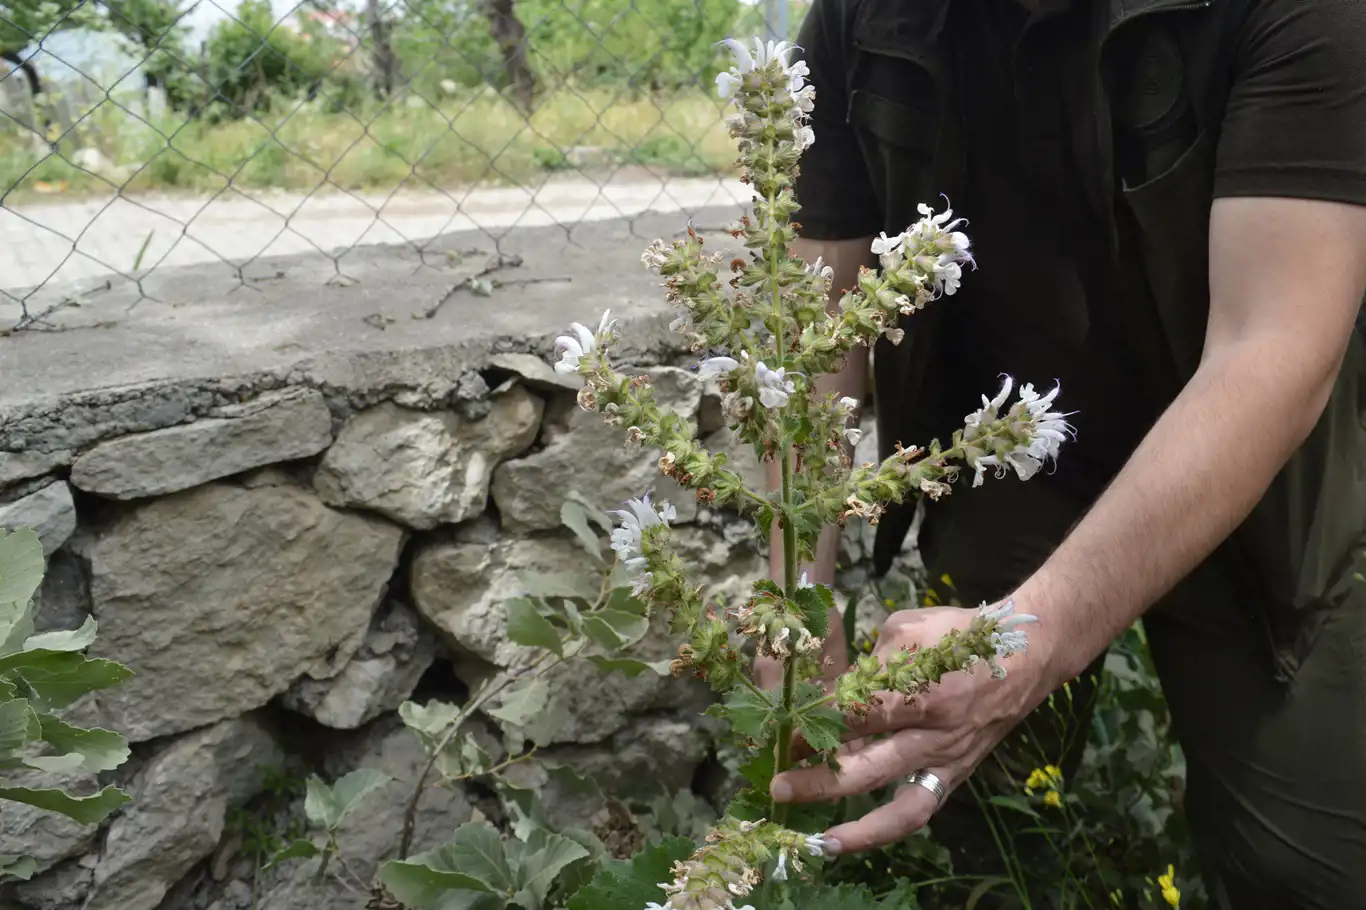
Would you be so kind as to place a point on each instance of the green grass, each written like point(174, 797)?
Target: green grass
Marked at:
point(463, 140)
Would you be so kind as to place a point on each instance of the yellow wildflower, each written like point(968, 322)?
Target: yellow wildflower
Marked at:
point(1048, 777)
point(888, 602)
point(1053, 798)
point(1170, 893)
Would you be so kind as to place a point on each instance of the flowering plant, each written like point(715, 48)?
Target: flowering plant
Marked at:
point(774, 333)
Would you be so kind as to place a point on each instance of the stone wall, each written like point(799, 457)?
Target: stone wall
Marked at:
point(285, 550)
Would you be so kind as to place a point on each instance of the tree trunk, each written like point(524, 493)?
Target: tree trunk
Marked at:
point(382, 53)
point(509, 33)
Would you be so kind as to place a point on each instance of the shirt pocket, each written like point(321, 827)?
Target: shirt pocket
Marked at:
point(1171, 212)
point(895, 115)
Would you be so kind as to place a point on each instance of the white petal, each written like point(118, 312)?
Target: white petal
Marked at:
point(727, 84)
point(744, 62)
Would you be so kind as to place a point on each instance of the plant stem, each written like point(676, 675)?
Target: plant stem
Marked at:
point(783, 757)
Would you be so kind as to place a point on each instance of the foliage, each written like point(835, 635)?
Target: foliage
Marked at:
point(40, 674)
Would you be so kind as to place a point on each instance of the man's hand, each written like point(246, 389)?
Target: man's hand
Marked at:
point(949, 731)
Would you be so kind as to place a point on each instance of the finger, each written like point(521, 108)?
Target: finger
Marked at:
point(909, 811)
point(867, 768)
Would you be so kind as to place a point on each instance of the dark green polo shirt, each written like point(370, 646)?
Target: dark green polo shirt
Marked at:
point(1044, 304)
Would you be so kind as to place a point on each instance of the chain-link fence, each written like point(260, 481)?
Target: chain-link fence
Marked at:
point(136, 135)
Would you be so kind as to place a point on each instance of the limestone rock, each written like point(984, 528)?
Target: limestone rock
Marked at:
point(220, 597)
point(17, 466)
point(180, 803)
point(396, 652)
point(584, 453)
point(460, 586)
point(535, 372)
point(64, 887)
point(47, 837)
point(279, 426)
point(371, 836)
point(49, 511)
point(423, 469)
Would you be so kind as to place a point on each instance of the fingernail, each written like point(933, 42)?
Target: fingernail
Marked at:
point(780, 790)
point(832, 847)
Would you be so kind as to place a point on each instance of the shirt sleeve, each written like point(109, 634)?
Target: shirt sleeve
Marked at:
point(833, 185)
point(1295, 125)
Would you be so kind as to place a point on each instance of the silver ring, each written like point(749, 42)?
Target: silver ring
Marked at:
point(931, 782)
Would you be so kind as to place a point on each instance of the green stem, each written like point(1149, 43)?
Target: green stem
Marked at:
point(782, 760)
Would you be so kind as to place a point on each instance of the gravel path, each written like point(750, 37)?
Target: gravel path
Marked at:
point(57, 243)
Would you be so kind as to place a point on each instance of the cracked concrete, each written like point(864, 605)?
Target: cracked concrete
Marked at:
point(210, 340)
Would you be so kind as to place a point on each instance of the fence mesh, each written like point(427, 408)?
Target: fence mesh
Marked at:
point(136, 135)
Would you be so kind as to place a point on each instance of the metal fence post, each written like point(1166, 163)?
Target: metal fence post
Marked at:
point(775, 19)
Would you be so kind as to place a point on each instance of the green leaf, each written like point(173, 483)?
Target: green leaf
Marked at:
point(750, 713)
point(88, 810)
point(463, 756)
point(631, 884)
point(815, 604)
point(473, 861)
point(78, 640)
point(299, 849)
point(1017, 803)
point(20, 867)
point(16, 626)
point(521, 704)
point(807, 895)
point(574, 516)
point(60, 677)
point(559, 584)
point(544, 855)
point(524, 806)
point(96, 750)
point(328, 807)
point(984, 887)
point(750, 805)
point(431, 721)
point(526, 626)
point(21, 566)
point(629, 666)
point(615, 629)
point(822, 727)
point(19, 726)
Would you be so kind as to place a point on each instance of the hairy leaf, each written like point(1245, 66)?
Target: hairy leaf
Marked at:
point(88, 810)
point(21, 566)
point(559, 584)
point(521, 703)
point(821, 726)
point(574, 516)
point(19, 726)
point(631, 884)
point(543, 856)
point(78, 640)
point(96, 750)
point(58, 678)
point(815, 604)
point(299, 849)
point(20, 867)
point(473, 861)
point(526, 626)
point(615, 629)
point(328, 807)
point(750, 713)
point(629, 666)
point(430, 721)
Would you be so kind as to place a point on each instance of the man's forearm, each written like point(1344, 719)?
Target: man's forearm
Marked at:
point(1196, 476)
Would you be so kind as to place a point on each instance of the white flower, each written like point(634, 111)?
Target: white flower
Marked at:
point(655, 255)
point(627, 539)
point(804, 137)
point(820, 268)
point(780, 873)
point(728, 83)
point(1008, 639)
point(937, 250)
point(582, 343)
point(884, 245)
point(715, 366)
point(895, 334)
point(642, 584)
point(815, 844)
point(848, 405)
point(774, 386)
point(853, 434)
point(803, 582)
